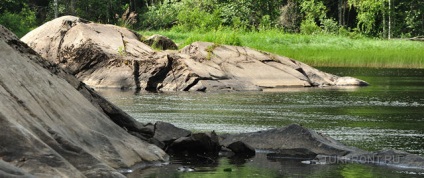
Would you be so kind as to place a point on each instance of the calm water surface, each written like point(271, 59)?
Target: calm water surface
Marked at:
point(389, 114)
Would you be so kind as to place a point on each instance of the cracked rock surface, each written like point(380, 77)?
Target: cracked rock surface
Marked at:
point(108, 56)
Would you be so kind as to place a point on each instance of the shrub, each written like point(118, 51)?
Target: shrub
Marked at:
point(329, 26)
point(160, 16)
point(309, 27)
point(265, 23)
point(198, 19)
point(20, 23)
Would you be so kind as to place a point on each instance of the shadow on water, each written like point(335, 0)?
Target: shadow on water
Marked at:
point(388, 114)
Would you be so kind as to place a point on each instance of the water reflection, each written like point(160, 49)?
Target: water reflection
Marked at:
point(262, 166)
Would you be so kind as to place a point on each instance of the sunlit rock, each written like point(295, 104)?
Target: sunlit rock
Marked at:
point(114, 57)
point(55, 126)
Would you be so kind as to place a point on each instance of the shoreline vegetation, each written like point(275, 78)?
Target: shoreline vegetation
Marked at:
point(318, 50)
point(321, 33)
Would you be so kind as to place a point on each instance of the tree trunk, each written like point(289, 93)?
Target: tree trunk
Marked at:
point(390, 19)
point(55, 6)
point(72, 8)
point(384, 23)
point(340, 12)
point(342, 5)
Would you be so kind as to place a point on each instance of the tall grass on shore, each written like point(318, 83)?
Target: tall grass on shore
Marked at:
point(316, 50)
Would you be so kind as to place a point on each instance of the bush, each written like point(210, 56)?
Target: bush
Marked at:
point(163, 16)
point(343, 31)
point(265, 23)
point(198, 19)
point(309, 27)
point(330, 26)
point(20, 23)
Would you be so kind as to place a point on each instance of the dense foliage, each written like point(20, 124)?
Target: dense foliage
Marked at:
point(376, 18)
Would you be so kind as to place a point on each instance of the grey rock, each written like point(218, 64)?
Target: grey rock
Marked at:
point(167, 133)
point(241, 149)
point(195, 144)
point(11, 171)
point(53, 125)
point(122, 61)
point(292, 136)
point(295, 153)
point(417, 38)
point(160, 42)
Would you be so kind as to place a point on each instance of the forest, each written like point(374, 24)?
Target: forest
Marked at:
point(371, 18)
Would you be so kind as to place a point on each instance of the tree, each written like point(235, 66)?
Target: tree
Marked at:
point(291, 16)
point(368, 11)
point(56, 8)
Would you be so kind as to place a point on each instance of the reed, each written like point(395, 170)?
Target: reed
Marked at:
point(316, 50)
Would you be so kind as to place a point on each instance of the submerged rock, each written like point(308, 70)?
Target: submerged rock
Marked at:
point(53, 125)
point(110, 56)
point(295, 153)
point(292, 136)
point(394, 158)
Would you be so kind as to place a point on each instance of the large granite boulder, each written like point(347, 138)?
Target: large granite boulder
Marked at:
point(50, 129)
point(110, 56)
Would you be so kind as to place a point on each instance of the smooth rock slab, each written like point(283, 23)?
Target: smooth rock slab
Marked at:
point(49, 128)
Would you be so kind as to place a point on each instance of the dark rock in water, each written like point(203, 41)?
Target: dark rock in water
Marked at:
point(122, 61)
point(295, 153)
point(226, 152)
point(160, 42)
point(167, 133)
point(241, 149)
point(291, 137)
point(53, 125)
point(197, 143)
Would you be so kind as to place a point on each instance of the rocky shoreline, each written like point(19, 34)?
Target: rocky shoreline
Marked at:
point(108, 56)
point(54, 125)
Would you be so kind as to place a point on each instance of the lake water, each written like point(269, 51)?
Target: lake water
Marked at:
point(388, 114)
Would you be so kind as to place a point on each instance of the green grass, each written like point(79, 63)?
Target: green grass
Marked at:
point(315, 50)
